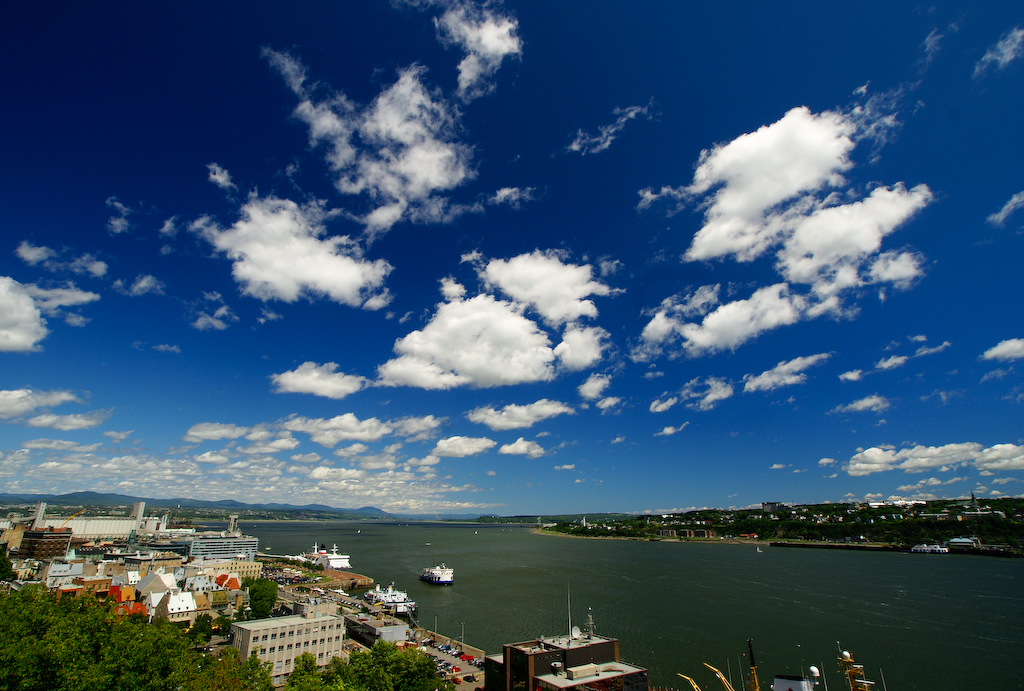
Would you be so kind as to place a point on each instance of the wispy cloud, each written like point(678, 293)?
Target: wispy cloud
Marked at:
point(585, 143)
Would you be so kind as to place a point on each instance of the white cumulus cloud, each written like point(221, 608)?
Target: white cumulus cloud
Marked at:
point(399, 153)
point(460, 447)
point(482, 342)
point(891, 362)
point(594, 386)
point(557, 290)
point(518, 416)
point(522, 447)
point(319, 380)
point(220, 177)
point(21, 324)
point(70, 422)
point(214, 431)
point(922, 458)
point(279, 252)
point(17, 402)
point(347, 427)
point(706, 393)
point(1010, 349)
point(782, 187)
point(487, 38)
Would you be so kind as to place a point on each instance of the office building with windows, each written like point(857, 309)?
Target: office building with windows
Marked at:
point(282, 639)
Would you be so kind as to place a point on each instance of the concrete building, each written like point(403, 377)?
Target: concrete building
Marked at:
point(45, 543)
point(563, 663)
point(149, 562)
point(368, 630)
point(244, 569)
point(282, 639)
point(224, 547)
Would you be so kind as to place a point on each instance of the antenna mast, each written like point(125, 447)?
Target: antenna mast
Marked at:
point(568, 598)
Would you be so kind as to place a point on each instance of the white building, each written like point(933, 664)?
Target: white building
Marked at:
point(280, 640)
point(224, 547)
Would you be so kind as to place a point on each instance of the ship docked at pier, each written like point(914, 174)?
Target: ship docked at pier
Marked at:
point(439, 574)
point(329, 560)
point(392, 599)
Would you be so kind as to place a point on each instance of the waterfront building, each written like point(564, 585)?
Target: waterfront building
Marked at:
point(563, 663)
point(280, 640)
point(224, 547)
point(368, 630)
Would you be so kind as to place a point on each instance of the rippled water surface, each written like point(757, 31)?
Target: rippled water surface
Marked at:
point(931, 622)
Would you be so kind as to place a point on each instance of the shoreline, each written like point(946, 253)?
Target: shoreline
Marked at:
point(694, 540)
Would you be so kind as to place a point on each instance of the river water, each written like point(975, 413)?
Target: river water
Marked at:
point(949, 622)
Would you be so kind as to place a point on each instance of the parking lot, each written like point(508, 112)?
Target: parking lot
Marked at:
point(465, 670)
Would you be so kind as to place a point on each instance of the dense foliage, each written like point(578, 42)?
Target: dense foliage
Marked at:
point(262, 596)
point(383, 668)
point(79, 644)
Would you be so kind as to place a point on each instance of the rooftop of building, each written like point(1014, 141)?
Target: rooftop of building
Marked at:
point(592, 674)
point(564, 642)
point(278, 622)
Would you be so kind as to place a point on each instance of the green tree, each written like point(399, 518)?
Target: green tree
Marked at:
point(79, 644)
point(201, 630)
point(6, 570)
point(262, 596)
point(386, 668)
point(229, 672)
point(305, 676)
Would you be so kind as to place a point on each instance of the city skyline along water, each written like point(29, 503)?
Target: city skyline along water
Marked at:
point(924, 621)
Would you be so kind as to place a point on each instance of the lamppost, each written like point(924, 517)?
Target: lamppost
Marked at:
point(463, 646)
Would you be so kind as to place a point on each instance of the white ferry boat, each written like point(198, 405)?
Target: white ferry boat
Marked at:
point(391, 598)
point(929, 549)
point(332, 560)
point(440, 574)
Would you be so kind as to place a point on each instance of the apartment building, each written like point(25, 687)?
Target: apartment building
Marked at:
point(282, 639)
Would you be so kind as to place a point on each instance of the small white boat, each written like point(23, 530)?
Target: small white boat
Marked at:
point(440, 575)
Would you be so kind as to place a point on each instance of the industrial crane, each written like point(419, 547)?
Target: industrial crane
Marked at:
point(77, 513)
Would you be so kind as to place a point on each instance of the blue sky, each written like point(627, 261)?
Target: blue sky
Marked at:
point(513, 258)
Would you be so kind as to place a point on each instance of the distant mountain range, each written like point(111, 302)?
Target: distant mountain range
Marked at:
point(99, 499)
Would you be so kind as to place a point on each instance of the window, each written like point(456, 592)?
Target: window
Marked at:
point(273, 650)
point(289, 646)
point(273, 636)
point(291, 633)
point(264, 637)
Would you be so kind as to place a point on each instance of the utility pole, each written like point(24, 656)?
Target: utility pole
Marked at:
point(463, 636)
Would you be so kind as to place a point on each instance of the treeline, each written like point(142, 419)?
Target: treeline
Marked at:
point(830, 523)
point(79, 644)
